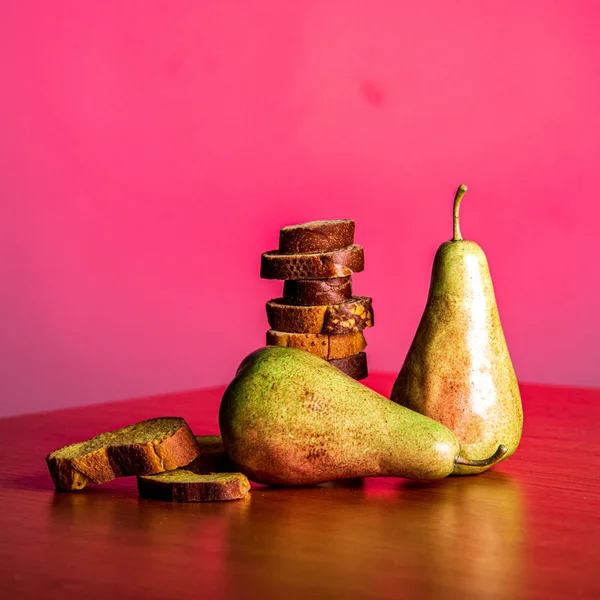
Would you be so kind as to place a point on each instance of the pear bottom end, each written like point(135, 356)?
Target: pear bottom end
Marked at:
point(466, 466)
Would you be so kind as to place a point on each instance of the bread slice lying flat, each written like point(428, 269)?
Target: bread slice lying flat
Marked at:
point(354, 315)
point(322, 345)
point(144, 448)
point(316, 236)
point(185, 486)
point(315, 292)
point(322, 265)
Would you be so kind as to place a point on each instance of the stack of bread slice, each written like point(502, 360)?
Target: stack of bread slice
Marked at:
point(318, 312)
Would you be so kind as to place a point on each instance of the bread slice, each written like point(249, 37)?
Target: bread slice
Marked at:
point(322, 345)
point(354, 366)
point(212, 457)
point(144, 448)
point(182, 485)
point(316, 236)
point(354, 315)
point(324, 265)
point(312, 292)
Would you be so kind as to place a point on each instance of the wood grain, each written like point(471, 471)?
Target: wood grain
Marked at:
point(527, 529)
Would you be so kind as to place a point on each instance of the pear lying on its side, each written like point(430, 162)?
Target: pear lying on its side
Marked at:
point(458, 370)
point(290, 418)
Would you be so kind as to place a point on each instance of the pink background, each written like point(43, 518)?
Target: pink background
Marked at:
point(151, 150)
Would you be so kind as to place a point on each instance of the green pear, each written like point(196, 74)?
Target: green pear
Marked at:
point(458, 370)
point(290, 418)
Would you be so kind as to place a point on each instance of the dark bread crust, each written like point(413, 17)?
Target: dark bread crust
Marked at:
point(161, 454)
point(325, 265)
point(354, 366)
point(312, 292)
point(235, 488)
point(334, 319)
point(322, 345)
point(316, 236)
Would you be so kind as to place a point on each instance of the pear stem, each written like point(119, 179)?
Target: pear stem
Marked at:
point(486, 462)
point(460, 192)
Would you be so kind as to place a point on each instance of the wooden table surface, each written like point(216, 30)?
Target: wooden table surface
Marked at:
point(528, 529)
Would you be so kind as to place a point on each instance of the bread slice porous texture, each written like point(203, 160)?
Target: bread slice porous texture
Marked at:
point(144, 448)
point(320, 344)
point(323, 265)
point(182, 485)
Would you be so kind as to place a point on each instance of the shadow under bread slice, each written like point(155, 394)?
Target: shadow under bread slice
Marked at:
point(320, 344)
point(354, 366)
point(323, 265)
point(353, 315)
point(212, 457)
point(311, 292)
point(143, 448)
point(182, 485)
point(316, 236)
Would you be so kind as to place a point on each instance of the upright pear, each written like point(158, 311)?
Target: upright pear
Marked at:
point(458, 370)
point(290, 418)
